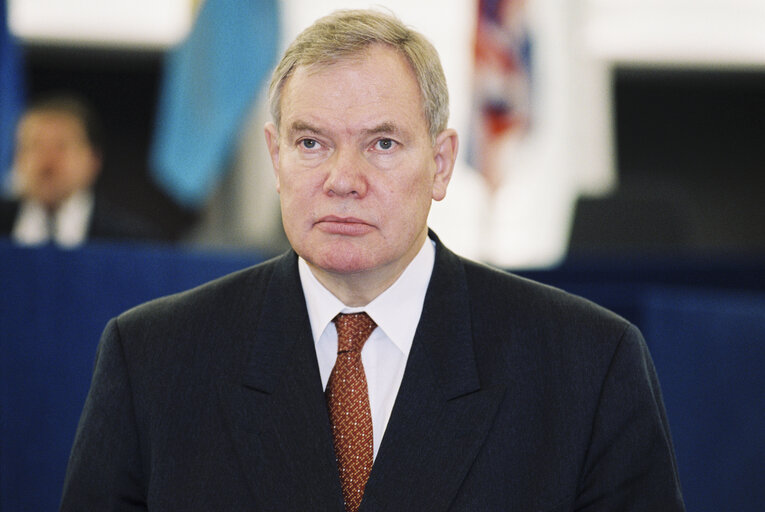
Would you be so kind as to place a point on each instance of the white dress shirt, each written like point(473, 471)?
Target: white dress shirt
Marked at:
point(396, 312)
point(67, 226)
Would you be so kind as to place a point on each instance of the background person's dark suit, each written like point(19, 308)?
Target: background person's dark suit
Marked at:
point(516, 397)
point(107, 222)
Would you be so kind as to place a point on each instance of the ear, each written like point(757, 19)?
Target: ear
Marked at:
point(447, 144)
point(272, 141)
point(95, 165)
point(97, 161)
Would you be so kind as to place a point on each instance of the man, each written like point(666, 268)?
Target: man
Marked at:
point(476, 389)
point(56, 163)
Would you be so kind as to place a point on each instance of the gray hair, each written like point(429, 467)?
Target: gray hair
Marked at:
point(346, 34)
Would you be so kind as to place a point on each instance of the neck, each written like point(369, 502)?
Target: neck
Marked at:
point(354, 290)
point(53, 205)
point(358, 289)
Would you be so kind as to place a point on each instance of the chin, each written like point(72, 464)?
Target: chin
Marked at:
point(335, 254)
point(342, 258)
point(345, 263)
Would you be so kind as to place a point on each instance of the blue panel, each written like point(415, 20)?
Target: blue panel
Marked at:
point(53, 307)
point(709, 351)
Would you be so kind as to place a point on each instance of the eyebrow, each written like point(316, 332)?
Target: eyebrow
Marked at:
point(302, 126)
point(386, 127)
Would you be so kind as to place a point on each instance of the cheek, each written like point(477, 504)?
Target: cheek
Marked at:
point(297, 199)
point(420, 189)
point(407, 204)
point(292, 189)
point(28, 164)
point(72, 162)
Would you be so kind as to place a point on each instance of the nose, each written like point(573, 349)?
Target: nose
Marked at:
point(50, 157)
point(347, 174)
point(44, 157)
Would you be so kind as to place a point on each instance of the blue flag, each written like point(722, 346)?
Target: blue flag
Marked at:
point(209, 85)
point(11, 94)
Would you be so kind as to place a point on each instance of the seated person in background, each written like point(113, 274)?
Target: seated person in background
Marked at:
point(56, 162)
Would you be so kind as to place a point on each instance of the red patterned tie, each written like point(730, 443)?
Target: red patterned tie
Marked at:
point(348, 404)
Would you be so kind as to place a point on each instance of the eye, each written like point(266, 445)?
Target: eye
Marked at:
point(309, 143)
point(385, 144)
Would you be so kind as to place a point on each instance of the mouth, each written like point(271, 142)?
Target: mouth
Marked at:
point(350, 226)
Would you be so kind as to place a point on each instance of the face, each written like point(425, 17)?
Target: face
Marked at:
point(53, 157)
point(355, 167)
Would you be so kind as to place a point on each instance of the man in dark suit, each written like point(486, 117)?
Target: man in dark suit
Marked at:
point(453, 386)
point(56, 163)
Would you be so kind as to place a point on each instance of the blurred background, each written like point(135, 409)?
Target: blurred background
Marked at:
point(614, 148)
point(614, 126)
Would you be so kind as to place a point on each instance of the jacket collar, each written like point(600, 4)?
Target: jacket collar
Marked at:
point(278, 415)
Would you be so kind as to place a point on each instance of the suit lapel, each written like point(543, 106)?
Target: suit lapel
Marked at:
point(277, 416)
point(442, 414)
point(275, 408)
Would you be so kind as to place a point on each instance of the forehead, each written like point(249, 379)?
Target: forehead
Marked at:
point(51, 122)
point(376, 81)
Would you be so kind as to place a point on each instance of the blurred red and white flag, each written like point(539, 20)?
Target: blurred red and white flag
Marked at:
point(502, 84)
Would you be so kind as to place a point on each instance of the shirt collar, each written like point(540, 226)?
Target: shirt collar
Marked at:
point(396, 310)
point(71, 221)
point(72, 218)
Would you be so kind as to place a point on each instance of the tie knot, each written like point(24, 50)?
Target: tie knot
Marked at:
point(353, 330)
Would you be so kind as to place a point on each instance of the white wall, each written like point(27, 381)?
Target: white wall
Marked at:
point(717, 33)
point(116, 23)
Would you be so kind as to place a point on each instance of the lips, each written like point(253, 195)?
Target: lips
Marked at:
point(350, 226)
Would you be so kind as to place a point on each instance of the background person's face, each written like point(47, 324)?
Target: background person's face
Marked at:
point(355, 167)
point(53, 157)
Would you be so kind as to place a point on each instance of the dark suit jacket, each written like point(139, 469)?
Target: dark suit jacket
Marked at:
point(107, 222)
point(516, 397)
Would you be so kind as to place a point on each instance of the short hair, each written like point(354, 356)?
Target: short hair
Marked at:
point(347, 33)
point(75, 106)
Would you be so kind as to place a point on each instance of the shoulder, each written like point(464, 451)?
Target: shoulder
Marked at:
point(506, 302)
point(525, 323)
point(493, 288)
point(201, 331)
point(238, 293)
